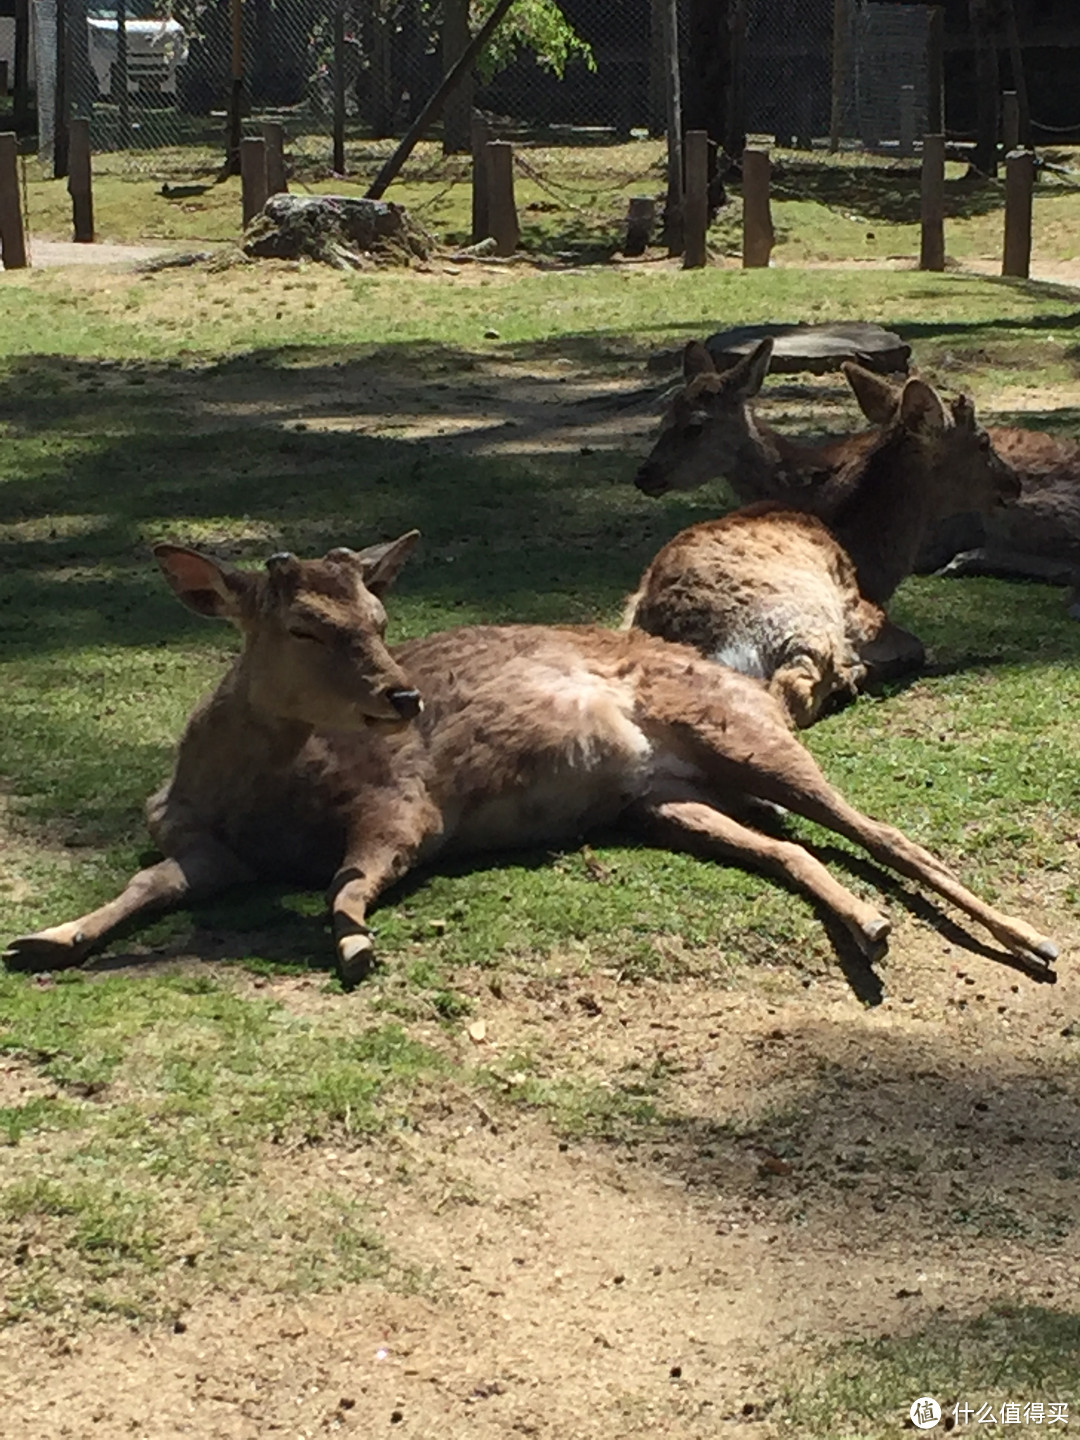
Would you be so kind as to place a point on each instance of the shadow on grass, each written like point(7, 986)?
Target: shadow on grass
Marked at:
point(886, 193)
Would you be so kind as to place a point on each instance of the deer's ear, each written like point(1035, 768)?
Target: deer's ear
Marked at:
point(202, 584)
point(748, 376)
point(921, 409)
point(696, 360)
point(381, 564)
point(879, 399)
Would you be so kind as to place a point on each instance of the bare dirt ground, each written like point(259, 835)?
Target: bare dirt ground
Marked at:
point(817, 1172)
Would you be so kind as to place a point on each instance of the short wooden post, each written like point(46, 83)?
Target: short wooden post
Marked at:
point(252, 176)
point(273, 133)
point(907, 120)
point(502, 211)
point(80, 182)
point(480, 135)
point(1010, 119)
point(696, 202)
point(640, 219)
point(932, 252)
point(339, 90)
point(12, 235)
point(758, 235)
point(1019, 185)
point(4, 78)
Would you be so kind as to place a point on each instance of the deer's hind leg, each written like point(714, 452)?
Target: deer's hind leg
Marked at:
point(201, 870)
point(698, 826)
point(763, 759)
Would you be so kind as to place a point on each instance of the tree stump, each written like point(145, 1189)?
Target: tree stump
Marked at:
point(640, 219)
point(814, 348)
point(339, 230)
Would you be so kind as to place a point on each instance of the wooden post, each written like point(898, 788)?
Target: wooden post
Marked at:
point(1010, 120)
point(4, 78)
point(80, 183)
point(446, 87)
point(640, 219)
point(907, 120)
point(502, 211)
point(932, 252)
point(236, 92)
point(935, 71)
point(840, 38)
point(339, 89)
point(1019, 184)
point(12, 235)
point(273, 133)
point(673, 207)
point(696, 206)
point(252, 176)
point(758, 233)
point(62, 95)
point(479, 138)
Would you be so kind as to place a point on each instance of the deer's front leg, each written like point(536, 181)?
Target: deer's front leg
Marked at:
point(202, 870)
point(382, 854)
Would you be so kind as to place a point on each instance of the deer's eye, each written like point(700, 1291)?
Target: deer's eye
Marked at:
point(299, 633)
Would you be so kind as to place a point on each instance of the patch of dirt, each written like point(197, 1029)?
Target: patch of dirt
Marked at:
point(813, 1171)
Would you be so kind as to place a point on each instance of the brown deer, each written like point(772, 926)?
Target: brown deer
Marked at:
point(709, 430)
point(1037, 538)
point(325, 757)
point(772, 592)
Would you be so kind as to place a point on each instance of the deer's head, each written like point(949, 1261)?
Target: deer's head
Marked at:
point(313, 630)
point(968, 472)
point(707, 424)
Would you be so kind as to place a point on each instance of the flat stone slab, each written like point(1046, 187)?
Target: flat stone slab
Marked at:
point(817, 348)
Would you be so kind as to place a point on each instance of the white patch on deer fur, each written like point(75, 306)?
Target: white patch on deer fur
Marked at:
point(744, 656)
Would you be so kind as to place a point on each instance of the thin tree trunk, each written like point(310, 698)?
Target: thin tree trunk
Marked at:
point(457, 116)
point(987, 85)
point(708, 77)
point(1016, 60)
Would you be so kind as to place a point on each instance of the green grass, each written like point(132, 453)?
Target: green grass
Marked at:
point(1010, 1353)
point(147, 1162)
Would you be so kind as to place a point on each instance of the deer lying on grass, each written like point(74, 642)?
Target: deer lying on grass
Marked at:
point(316, 760)
point(1037, 538)
point(709, 430)
point(774, 593)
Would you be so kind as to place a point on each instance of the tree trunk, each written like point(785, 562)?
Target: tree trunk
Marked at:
point(983, 31)
point(735, 121)
point(457, 117)
point(708, 79)
point(1016, 61)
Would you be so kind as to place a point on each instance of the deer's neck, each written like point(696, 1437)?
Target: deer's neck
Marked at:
point(885, 516)
point(770, 467)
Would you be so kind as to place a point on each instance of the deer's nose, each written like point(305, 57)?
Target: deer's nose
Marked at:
point(407, 703)
point(648, 482)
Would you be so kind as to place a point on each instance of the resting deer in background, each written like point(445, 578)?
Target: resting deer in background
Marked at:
point(775, 593)
point(710, 431)
point(323, 757)
point(1037, 538)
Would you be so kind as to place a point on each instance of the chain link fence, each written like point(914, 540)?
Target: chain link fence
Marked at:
point(156, 76)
